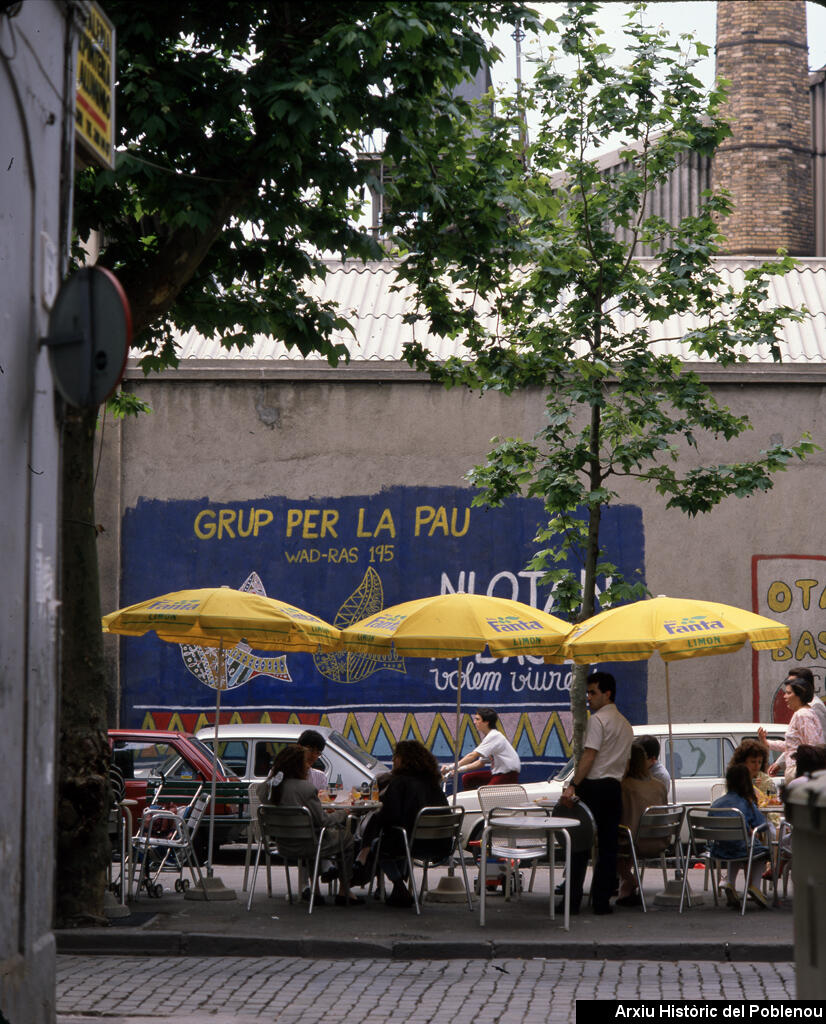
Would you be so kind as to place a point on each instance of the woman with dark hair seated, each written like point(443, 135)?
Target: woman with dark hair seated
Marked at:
point(639, 791)
point(740, 796)
point(414, 783)
point(811, 757)
point(755, 756)
point(289, 786)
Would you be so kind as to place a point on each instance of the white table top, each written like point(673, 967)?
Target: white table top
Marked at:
point(531, 822)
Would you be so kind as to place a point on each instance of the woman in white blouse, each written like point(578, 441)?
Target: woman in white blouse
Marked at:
point(803, 728)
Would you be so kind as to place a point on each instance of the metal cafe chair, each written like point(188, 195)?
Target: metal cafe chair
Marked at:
point(511, 797)
point(723, 824)
point(289, 833)
point(659, 825)
point(435, 837)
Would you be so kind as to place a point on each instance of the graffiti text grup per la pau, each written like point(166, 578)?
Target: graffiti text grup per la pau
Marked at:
point(328, 524)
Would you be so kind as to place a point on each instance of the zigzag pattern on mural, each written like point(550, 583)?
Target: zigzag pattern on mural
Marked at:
point(532, 733)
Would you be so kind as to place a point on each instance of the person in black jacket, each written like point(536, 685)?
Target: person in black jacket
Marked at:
point(414, 783)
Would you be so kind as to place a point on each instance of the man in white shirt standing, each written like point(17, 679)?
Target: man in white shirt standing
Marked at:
point(596, 782)
point(493, 749)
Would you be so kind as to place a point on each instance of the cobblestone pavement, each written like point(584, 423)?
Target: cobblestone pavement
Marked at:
point(288, 990)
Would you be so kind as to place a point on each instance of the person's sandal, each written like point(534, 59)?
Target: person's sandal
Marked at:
point(758, 897)
point(732, 899)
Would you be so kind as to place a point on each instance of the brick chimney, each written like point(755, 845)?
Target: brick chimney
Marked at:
point(766, 164)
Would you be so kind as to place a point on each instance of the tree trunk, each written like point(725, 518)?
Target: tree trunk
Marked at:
point(83, 784)
point(579, 708)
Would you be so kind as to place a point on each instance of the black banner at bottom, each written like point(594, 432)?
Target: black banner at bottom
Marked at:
point(598, 1011)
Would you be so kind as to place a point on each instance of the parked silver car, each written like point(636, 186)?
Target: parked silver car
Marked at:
point(702, 750)
point(248, 750)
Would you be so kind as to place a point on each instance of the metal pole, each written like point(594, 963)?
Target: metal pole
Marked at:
point(218, 688)
point(457, 739)
point(670, 736)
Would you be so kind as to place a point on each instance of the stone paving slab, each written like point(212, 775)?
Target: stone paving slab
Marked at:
point(516, 928)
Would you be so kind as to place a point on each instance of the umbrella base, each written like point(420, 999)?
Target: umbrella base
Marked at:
point(112, 908)
point(451, 889)
point(670, 896)
point(215, 890)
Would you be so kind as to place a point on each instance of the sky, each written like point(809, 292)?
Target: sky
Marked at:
point(695, 16)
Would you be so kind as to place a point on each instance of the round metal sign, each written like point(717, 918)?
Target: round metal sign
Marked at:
point(90, 328)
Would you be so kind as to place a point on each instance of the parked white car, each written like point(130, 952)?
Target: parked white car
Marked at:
point(701, 753)
point(248, 750)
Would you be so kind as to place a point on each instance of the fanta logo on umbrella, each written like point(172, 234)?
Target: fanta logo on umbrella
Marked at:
point(173, 606)
point(693, 624)
point(385, 621)
point(512, 623)
point(297, 613)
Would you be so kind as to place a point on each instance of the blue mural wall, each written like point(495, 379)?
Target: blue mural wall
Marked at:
point(344, 558)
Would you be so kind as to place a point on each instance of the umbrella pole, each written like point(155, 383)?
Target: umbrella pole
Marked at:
point(457, 739)
point(213, 888)
point(670, 736)
point(450, 888)
point(221, 681)
point(671, 895)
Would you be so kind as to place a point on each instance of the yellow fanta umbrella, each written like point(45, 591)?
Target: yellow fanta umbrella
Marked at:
point(221, 617)
point(456, 626)
point(676, 628)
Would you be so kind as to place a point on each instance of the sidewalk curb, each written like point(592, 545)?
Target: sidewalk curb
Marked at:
point(123, 942)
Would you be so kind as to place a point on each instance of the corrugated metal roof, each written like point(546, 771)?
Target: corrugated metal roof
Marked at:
point(363, 293)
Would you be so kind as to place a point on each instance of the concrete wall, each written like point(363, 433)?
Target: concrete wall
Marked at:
point(244, 432)
point(31, 91)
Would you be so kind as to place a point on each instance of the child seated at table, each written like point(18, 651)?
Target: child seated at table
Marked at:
point(740, 795)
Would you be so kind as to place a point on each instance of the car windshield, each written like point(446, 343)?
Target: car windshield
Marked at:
point(209, 753)
point(563, 772)
point(176, 766)
point(355, 752)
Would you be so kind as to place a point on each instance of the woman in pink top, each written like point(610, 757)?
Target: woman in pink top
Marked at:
point(803, 728)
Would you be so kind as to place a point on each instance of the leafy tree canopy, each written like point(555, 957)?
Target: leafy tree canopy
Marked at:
point(531, 255)
point(240, 137)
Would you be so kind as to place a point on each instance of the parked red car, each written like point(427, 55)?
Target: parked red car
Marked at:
point(144, 755)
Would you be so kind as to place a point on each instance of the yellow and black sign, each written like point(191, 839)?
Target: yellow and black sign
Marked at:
point(95, 87)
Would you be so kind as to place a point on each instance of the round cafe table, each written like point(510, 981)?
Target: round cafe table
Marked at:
point(529, 824)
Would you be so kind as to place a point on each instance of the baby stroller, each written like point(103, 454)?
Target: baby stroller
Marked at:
point(165, 843)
